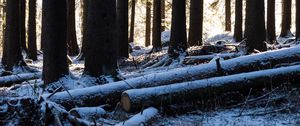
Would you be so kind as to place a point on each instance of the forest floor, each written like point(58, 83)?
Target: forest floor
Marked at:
point(281, 107)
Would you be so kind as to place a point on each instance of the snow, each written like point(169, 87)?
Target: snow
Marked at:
point(140, 118)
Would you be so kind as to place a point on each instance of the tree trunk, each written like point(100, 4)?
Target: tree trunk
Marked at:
point(156, 35)
point(23, 25)
point(32, 47)
point(271, 31)
point(54, 37)
point(141, 118)
point(100, 57)
point(202, 90)
point(73, 48)
point(110, 93)
point(286, 18)
point(227, 15)
point(163, 16)
point(12, 55)
point(81, 56)
point(297, 20)
point(122, 29)
point(178, 40)
point(7, 81)
point(238, 26)
point(196, 23)
point(132, 21)
point(148, 23)
point(255, 26)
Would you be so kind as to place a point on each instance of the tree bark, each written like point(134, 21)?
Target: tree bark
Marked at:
point(135, 99)
point(100, 57)
point(110, 93)
point(132, 21)
point(32, 47)
point(271, 30)
point(141, 118)
point(54, 37)
point(73, 48)
point(156, 35)
point(227, 15)
point(122, 29)
point(286, 18)
point(238, 26)
point(12, 55)
point(178, 40)
point(255, 26)
point(81, 56)
point(23, 25)
point(196, 23)
point(148, 23)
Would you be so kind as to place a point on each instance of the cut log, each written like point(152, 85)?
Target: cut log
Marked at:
point(7, 81)
point(88, 113)
point(206, 58)
point(135, 99)
point(110, 93)
point(140, 118)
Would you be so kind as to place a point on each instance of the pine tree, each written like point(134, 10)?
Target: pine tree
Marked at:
point(32, 47)
point(156, 36)
point(22, 13)
point(73, 48)
point(148, 23)
point(196, 23)
point(271, 31)
point(227, 15)
point(132, 21)
point(238, 26)
point(122, 28)
point(286, 18)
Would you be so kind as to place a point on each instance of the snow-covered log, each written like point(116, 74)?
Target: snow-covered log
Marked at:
point(110, 93)
point(140, 118)
point(206, 58)
point(133, 100)
point(7, 81)
point(88, 112)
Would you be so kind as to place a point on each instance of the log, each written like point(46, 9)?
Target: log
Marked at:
point(135, 99)
point(7, 81)
point(206, 58)
point(110, 93)
point(88, 113)
point(140, 118)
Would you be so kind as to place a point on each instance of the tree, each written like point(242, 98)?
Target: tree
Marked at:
point(100, 57)
point(148, 23)
point(156, 36)
point(178, 40)
point(22, 27)
point(196, 23)
point(12, 55)
point(73, 48)
point(122, 29)
point(255, 25)
point(286, 18)
point(54, 37)
point(227, 15)
point(271, 31)
point(83, 30)
point(238, 26)
point(163, 15)
point(297, 20)
point(32, 48)
point(132, 21)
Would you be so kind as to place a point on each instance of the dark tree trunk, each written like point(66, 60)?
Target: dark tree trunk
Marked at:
point(238, 26)
point(73, 48)
point(32, 48)
point(156, 36)
point(196, 23)
point(271, 31)
point(54, 37)
point(227, 15)
point(122, 28)
point(286, 18)
point(83, 30)
point(148, 23)
point(12, 45)
point(297, 20)
point(132, 21)
point(23, 24)
point(255, 26)
point(163, 16)
point(178, 41)
point(100, 57)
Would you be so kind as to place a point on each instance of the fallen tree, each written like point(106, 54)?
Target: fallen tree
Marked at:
point(7, 81)
point(190, 60)
point(110, 93)
point(140, 118)
point(88, 113)
point(135, 99)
